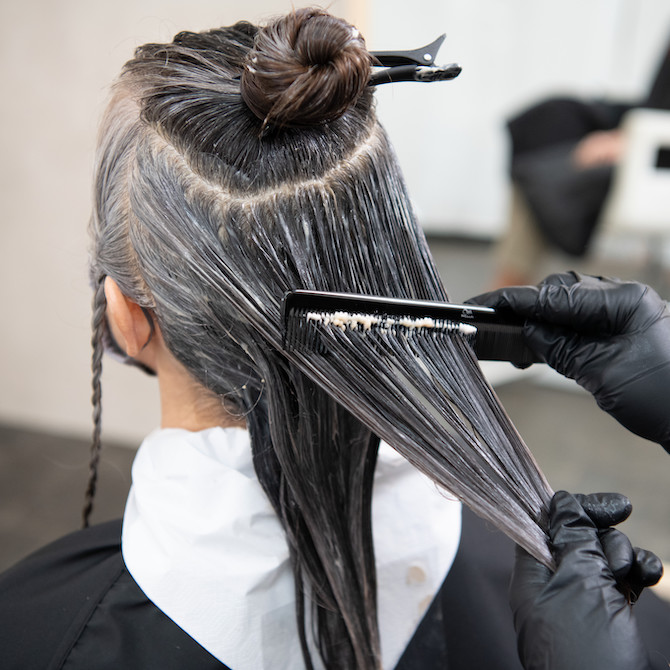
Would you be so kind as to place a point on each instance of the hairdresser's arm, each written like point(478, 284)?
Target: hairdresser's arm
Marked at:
point(612, 337)
point(577, 617)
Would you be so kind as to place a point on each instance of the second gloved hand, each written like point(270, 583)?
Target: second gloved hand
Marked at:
point(611, 337)
point(578, 618)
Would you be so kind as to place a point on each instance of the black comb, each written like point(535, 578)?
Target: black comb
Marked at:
point(498, 335)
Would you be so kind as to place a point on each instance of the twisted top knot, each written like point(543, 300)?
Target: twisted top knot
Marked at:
point(305, 69)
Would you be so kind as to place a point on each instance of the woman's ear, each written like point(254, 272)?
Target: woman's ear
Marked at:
point(129, 325)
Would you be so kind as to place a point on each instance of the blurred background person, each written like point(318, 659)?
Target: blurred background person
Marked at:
point(563, 154)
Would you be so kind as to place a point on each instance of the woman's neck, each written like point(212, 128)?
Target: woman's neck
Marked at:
point(187, 404)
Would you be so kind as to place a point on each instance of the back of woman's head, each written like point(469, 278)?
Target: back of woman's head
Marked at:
point(233, 166)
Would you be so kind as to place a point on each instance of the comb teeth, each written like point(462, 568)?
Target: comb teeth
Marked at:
point(301, 333)
point(304, 328)
point(365, 321)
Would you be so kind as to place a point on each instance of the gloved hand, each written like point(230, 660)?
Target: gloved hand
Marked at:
point(611, 337)
point(577, 618)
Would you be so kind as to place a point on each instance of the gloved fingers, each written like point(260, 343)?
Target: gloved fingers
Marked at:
point(605, 509)
point(581, 302)
point(574, 536)
point(560, 347)
point(552, 302)
point(619, 553)
point(522, 299)
point(584, 547)
point(519, 299)
point(578, 618)
point(586, 359)
point(547, 342)
point(647, 568)
point(633, 567)
point(582, 306)
point(564, 278)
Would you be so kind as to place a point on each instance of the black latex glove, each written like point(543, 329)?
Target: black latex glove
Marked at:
point(578, 618)
point(611, 337)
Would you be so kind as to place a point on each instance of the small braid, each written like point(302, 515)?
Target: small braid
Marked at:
point(99, 311)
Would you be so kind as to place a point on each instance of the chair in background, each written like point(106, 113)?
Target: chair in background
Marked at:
point(638, 203)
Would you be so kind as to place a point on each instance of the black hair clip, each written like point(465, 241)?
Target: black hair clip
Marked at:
point(415, 65)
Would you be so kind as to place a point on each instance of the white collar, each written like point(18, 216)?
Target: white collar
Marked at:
point(202, 541)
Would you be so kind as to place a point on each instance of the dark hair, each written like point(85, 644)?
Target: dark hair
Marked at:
point(217, 192)
point(304, 70)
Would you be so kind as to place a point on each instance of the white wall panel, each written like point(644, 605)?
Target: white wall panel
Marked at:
point(450, 137)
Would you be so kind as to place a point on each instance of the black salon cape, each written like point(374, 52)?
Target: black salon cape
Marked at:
point(73, 605)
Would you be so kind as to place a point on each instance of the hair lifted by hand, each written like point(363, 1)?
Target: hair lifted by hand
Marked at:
point(305, 69)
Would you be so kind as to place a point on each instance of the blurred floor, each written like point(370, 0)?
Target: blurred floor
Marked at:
point(42, 482)
point(43, 477)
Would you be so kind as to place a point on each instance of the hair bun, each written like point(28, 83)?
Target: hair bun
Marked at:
point(306, 68)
